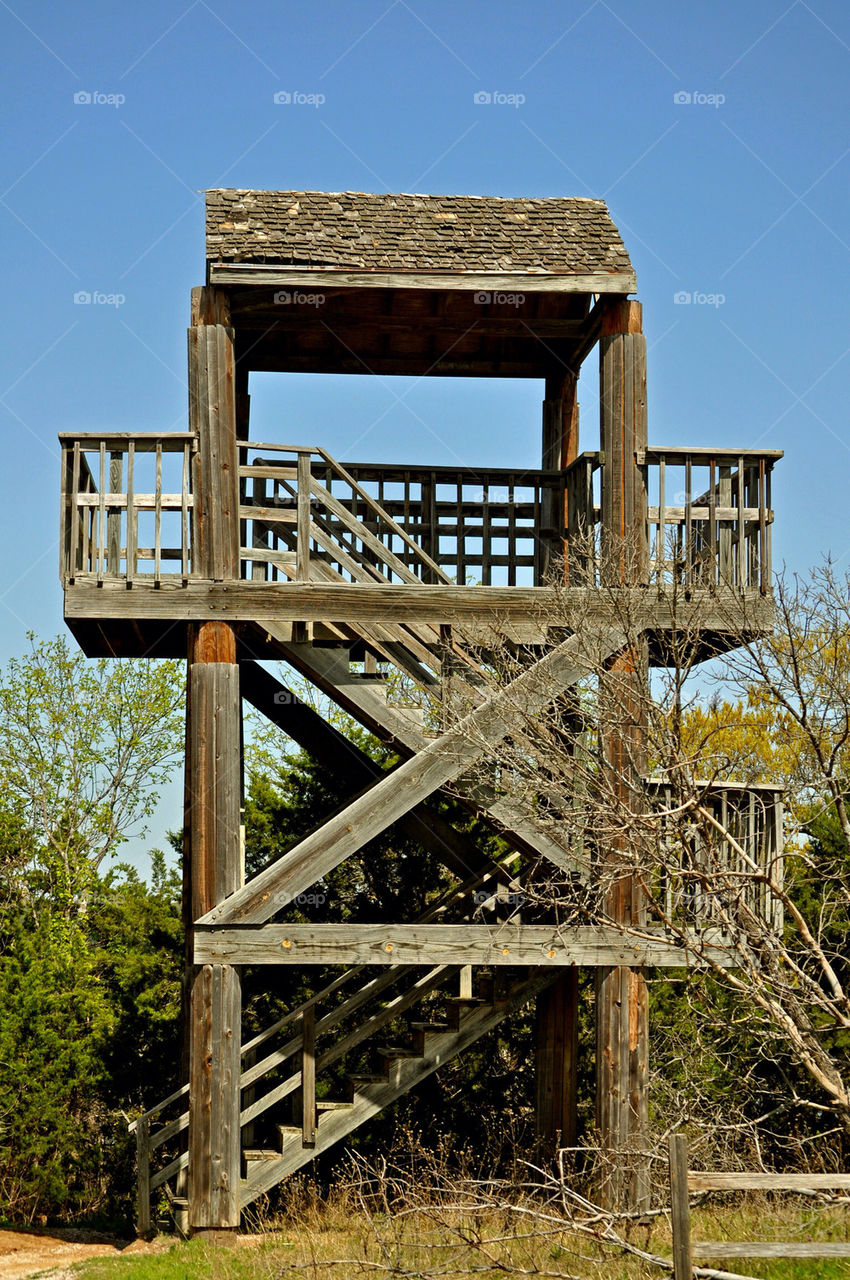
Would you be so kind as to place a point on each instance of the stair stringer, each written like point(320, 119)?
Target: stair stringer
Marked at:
point(405, 1074)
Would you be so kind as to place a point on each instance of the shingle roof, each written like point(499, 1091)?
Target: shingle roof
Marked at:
point(352, 230)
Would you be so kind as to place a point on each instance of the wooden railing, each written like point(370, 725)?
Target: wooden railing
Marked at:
point(709, 517)
point(128, 513)
point(709, 847)
point(305, 516)
point(288, 1067)
point(126, 506)
point(723, 839)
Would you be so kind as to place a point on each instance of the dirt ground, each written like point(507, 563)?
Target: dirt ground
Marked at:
point(29, 1253)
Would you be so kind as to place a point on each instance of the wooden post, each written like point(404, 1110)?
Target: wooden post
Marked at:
point(680, 1209)
point(213, 860)
point(143, 1174)
point(556, 1032)
point(308, 1076)
point(622, 1032)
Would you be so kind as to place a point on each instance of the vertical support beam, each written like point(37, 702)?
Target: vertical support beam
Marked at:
point(556, 1039)
point(560, 421)
point(622, 1031)
point(557, 1059)
point(213, 787)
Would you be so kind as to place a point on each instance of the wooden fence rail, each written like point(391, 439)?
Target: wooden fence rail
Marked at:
point(684, 1180)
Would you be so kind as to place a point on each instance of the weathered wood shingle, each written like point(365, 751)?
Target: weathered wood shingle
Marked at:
point(351, 230)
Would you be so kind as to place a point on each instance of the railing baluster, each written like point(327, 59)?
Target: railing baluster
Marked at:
point(460, 534)
point(486, 537)
point(689, 531)
point(302, 527)
point(661, 537)
point(712, 523)
point(77, 514)
point(101, 514)
point(113, 519)
point(724, 547)
point(184, 515)
point(742, 558)
point(132, 538)
point(157, 546)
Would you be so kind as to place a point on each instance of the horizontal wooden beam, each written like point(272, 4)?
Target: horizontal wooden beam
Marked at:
point(398, 792)
point(399, 944)
point(517, 325)
point(267, 356)
point(238, 601)
point(771, 1249)
point(317, 278)
point(708, 1180)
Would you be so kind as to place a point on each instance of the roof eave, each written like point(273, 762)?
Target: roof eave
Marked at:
point(270, 274)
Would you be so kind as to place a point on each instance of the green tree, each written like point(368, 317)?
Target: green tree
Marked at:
point(85, 746)
point(89, 957)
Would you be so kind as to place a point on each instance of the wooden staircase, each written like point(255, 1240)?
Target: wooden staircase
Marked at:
point(418, 1049)
point(400, 1068)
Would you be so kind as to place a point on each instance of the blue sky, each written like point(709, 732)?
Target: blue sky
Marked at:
point(740, 193)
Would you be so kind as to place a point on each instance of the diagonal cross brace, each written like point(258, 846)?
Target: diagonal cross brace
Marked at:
point(424, 824)
point(397, 793)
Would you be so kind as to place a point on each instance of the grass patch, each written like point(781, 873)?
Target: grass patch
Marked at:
point(342, 1243)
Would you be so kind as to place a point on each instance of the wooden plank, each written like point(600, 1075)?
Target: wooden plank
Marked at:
point(308, 1076)
point(451, 944)
point(342, 602)
point(516, 281)
point(771, 1249)
point(680, 1210)
point(441, 761)
point(702, 1180)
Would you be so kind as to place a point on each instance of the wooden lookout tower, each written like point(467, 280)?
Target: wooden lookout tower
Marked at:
point(231, 551)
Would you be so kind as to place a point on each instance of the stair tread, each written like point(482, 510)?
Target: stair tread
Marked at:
point(398, 1051)
point(429, 1026)
point(260, 1153)
point(330, 1104)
